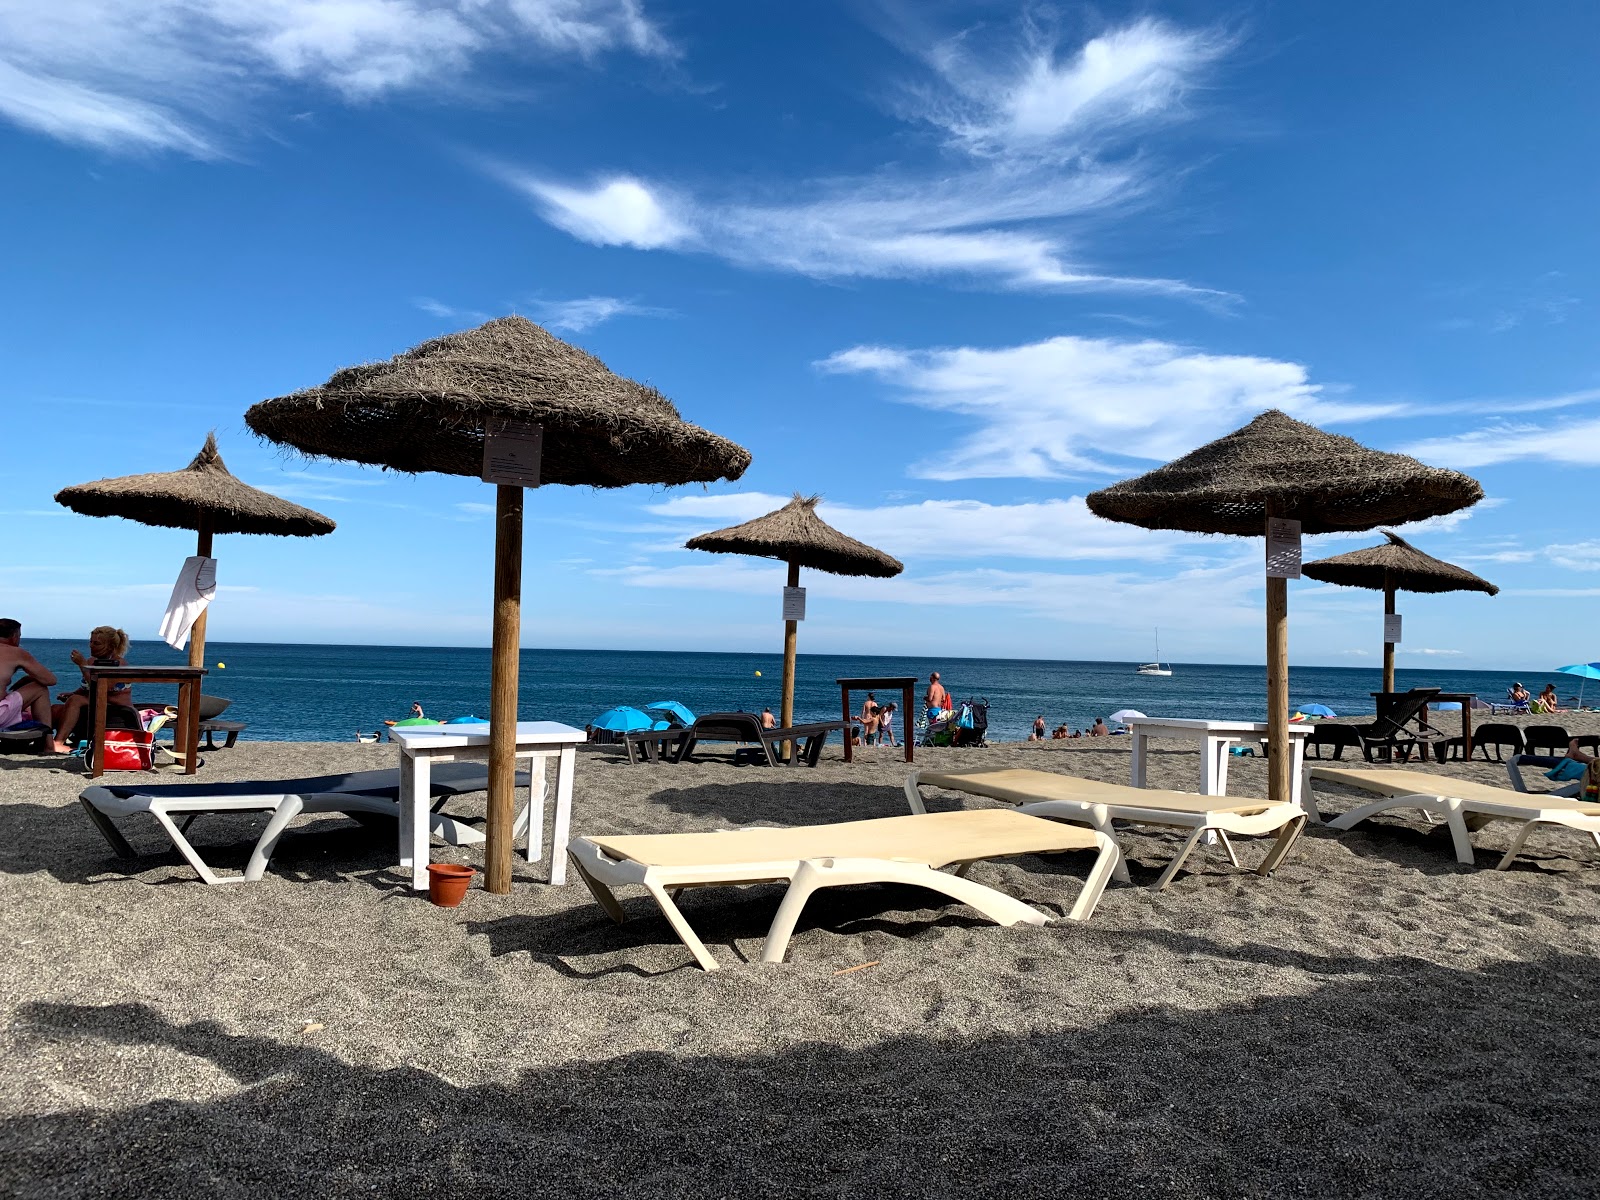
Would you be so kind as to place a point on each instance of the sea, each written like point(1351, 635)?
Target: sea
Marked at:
point(330, 693)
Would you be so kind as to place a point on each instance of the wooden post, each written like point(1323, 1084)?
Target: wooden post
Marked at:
point(790, 631)
point(197, 634)
point(844, 703)
point(1278, 754)
point(503, 689)
point(1388, 647)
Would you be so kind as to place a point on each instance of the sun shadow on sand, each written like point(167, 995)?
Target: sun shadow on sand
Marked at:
point(1394, 1077)
point(785, 801)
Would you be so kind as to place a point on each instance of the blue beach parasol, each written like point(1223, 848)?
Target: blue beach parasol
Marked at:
point(1316, 710)
point(1585, 672)
point(622, 719)
point(672, 712)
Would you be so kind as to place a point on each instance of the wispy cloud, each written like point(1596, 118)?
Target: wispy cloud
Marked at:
point(584, 313)
point(1573, 442)
point(448, 312)
point(1071, 405)
point(1031, 140)
point(944, 529)
point(167, 75)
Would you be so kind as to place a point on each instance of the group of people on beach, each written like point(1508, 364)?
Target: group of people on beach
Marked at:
point(1545, 702)
point(1063, 731)
point(25, 701)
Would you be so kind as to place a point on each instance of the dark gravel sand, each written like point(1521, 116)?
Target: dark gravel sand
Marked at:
point(1376, 1020)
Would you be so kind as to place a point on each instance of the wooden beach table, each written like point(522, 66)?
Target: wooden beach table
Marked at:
point(1214, 739)
point(538, 741)
point(186, 735)
point(907, 684)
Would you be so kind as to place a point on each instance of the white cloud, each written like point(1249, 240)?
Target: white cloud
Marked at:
point(586, 312)
point(447, 312)
point(935, 529)
point(1428, 652)
point(1575, 443)
point(1575, 556)
point(166, 74)
point(612, 212)
point(1068, 404)
point(1031, 142)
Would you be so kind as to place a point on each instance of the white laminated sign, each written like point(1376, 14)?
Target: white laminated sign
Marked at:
point(1391, 628)
point(794, 604)
point(511, 453)
point(1283, 548)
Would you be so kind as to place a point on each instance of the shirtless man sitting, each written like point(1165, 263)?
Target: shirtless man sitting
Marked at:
point(37, 679)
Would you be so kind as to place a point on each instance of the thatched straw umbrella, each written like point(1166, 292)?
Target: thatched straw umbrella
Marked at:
point(796, 535)
point(1277, 467)
point(1396, 565)
point(205, 497)
point(432, 409)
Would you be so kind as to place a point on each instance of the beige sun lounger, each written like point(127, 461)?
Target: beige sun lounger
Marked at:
point(887, 850)
point(1463, 805)
point(1090, 802)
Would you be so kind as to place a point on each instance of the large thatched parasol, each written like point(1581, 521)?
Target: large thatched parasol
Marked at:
point(431, 408)
point(1277, 467)
point(797, 536)
point(205, 497)
point(1396, 565)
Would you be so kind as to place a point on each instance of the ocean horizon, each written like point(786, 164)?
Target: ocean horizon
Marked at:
point(329, 692)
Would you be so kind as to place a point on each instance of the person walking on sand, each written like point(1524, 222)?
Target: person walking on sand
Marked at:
point(768, 721)
point(1038, 729)
point(33, 689)
point(869, 718)
point(886, 724)
point(937, 700)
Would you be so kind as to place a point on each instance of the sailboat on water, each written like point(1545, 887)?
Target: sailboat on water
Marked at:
point(1157, 667)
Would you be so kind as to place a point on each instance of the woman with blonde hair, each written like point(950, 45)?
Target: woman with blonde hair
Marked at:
point(108, 647)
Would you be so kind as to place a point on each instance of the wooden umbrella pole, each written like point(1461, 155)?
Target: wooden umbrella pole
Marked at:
point(503, 689)
point(790, 637)
point(197, 633)
point(1388, 647)
point(1278, 756)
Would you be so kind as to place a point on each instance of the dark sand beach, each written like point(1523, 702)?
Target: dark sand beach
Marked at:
point(1375, 1020)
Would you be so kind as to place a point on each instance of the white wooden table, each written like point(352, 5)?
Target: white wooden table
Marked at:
point(537, 741)
point(1215, 738)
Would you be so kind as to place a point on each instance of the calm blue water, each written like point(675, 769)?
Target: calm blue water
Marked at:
point(327, 693)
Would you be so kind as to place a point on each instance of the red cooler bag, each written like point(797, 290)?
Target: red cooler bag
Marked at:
point(127, 750)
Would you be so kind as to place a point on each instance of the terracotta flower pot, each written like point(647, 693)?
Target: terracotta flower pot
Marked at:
point(448, 883)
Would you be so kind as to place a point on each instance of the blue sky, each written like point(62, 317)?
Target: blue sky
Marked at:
point(951, 265)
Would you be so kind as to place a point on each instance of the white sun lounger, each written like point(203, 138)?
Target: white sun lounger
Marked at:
point(886, 850)
point(374, 792)
point(1463, 805)
point(1091, 802)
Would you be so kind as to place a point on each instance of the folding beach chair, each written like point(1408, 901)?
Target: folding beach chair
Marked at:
point(907, 850)
point(1096, 804)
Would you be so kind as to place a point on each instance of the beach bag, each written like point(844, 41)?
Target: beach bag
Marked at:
point(127, 750)
point(10, 709)
point(1591, 783)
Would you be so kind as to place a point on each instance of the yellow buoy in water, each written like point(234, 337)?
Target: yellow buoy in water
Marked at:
point(758, 674)
point(222, 666)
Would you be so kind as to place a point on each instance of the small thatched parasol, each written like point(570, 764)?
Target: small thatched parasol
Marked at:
point(431, 408)
point(1396, 565)
point(1277, 467)
point(205, 497)
point(796, 535)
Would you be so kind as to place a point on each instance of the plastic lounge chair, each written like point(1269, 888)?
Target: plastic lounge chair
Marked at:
point(1545, 739)
point(1388, 732)
point(357, 794)
point(909, 850)
point(1463, 805)
point(1090, 802)
point(765, 745)
point(1333, 735)
point(1498, 736)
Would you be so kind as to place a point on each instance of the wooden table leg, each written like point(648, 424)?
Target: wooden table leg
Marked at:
point(97, 726)
point(1466, 730)
point(844, 696)
point(907, 699)
point(563, 831)
point(189, 718)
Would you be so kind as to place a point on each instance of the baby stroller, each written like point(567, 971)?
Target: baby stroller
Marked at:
point(964, 726)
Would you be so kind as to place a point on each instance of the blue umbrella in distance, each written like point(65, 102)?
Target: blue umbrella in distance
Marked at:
point(1585, 672)
point(622, 719)
point(1316, 710)
point(672, 712)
